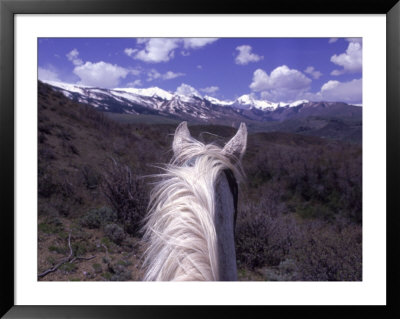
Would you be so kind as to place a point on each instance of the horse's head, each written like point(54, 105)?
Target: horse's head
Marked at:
point(191, 219)
point(234, 149)
point(226, 188)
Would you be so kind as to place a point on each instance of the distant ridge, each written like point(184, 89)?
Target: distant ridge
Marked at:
point(157, 101)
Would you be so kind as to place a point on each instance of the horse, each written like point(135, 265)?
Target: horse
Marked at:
point(189, 226)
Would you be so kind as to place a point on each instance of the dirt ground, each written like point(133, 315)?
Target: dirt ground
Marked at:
point(97, 258)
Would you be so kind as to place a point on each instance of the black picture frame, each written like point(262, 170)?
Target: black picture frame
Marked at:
point(8, 10)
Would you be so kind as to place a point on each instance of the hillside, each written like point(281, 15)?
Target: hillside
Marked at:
point(302, 195)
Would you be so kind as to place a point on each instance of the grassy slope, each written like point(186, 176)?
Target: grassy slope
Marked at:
point(75, 147)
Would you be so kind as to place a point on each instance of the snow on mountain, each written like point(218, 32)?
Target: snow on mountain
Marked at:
point(156, 98)
point(215, 101)
point(68, 87)
point(188, 98)
point(185, 103)
point(297, 103)
point(150, 92)
point(187, 92)
point(247, 101)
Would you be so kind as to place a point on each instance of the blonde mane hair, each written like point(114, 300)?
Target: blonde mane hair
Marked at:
point(180, 228)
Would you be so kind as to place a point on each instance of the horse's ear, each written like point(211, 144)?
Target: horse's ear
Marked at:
point(182, 134)
point(237, 145)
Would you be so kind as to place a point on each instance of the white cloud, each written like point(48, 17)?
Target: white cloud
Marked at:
point(157, 50)
point(134, 84)
point(351, 60)
point(73, 54)
point(100, 74)
point(350, 92)
point(287, 85)
point(337, 72)
point(185, 53)
point(333, 40)
point(261, 81)
point(314, 73)
point(336, 91)
point(141, 40)
point(185, 89)
point(283, 84)
point(73, 57)
point(153, 74)
point(283, 95)
point(47, 75)
point(245, 55)
point(195, 43)
point(135, 71)
point(199, 67)
point(130, 51)
point(357, 40)
point(77, 62)
point(171, 75)
point(281, 77)
point(210, 89)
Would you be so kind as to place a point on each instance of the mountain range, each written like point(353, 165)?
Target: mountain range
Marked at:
point(325, 119)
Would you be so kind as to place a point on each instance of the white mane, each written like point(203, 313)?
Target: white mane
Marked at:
point(179, 229)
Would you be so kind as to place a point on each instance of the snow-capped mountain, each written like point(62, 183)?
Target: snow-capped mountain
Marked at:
point(295, 103)
point(143, 101)
point(248, 102)
point(149, 92)
point(192, 106)
point(215, 101)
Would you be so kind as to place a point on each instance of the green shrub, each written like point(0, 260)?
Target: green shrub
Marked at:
point(323, 180)
point(68, 268)
point(124, 263)
point(324, 253)
point(123, 275)
point(91, 178)
point(106, 241)
point(46, 184)
point(263, 238)
point(51, 260)
point(314, 210)
point(95, 218)
point(286, 271)
point(107, 275)
point(115, 233)
point(283, 247)
point(119, 272)
point(79, 248)
point(127, 194)
point(52, 225)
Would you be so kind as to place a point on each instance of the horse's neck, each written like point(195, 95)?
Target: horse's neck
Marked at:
point(224, 225)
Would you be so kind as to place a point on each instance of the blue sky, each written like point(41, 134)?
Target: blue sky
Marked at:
point(275, 69)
